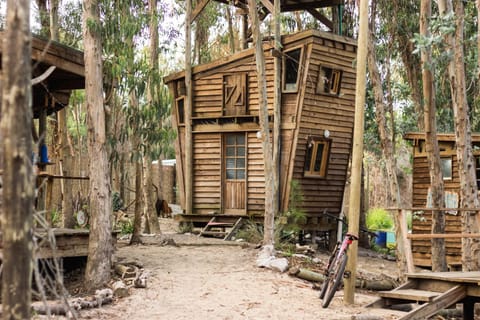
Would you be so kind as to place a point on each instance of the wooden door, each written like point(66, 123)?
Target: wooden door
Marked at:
point(234, 164)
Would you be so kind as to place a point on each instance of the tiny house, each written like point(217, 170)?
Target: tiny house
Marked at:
point(317, 115)
point(422, 219)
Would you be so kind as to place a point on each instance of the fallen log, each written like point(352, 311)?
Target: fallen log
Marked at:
point(120, 289)
point(368, 284)
point(125, 271)
point(102, 297)
point(306, 274)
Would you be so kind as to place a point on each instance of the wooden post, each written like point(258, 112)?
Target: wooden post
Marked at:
point(357, 153)
point(188, 110)
point(405, 242)
point(277, 101)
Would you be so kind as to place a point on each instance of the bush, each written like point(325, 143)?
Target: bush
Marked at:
point(379, 219)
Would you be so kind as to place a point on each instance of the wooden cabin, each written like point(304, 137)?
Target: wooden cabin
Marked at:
point(317, 116)
point(57, 70)
point(422, 219)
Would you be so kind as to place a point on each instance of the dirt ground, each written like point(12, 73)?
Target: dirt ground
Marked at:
point(204, 278)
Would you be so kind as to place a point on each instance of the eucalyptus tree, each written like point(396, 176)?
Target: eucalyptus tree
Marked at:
point(438, 256)
point(100, 247)
point(269, 217)
point(16, 146)
point(128, 72)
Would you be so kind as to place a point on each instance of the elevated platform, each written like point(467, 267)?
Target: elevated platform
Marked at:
point(430, 292)
point(68, 243)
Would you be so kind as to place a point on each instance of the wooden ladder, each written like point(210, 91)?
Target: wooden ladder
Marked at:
point(221, 228)
point(427, 297)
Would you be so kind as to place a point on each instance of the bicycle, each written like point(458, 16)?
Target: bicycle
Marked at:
point(335, 269)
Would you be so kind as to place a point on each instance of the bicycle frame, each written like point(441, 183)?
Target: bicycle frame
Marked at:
point(335, 269)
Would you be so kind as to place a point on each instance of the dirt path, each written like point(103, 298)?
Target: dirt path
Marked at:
point(211, 280)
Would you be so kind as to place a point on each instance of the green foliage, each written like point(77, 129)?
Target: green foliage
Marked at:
point(251, 232)
point(185, 227)
point(126, 227)
point(55, 218)
point(379, 219)
point(117, 202)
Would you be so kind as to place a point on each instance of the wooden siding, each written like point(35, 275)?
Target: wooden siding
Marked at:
point(422, 222)
point(320, 112)
point(255, 175)
point(304, 113)
point(207, 173)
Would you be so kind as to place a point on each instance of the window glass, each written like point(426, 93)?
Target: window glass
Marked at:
point(230, 163)
point(241, 163)
point(446, 164)
point(291, 69)
point(240, 174)
point(240, 151)
point(316, 158)
point(230, 151)
point(230, 174)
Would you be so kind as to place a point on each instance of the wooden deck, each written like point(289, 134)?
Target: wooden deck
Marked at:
point(432, 292)
point(68, 243)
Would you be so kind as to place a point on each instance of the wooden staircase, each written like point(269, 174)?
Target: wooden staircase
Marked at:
point(428, 293)
point(221, 228)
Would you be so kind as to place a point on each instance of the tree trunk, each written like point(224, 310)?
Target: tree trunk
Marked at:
point(277, 108)
point(18, 178)
point(231, 34)
point(410, 61)
point(154, 226)
point(387, 146)
point(44, 17)
point(54, 19)
point(439, 259)
point(100, 248)
point(269, 218)
point(468, 185)
point(137, 220)
point(149, 204)
point(188, 174)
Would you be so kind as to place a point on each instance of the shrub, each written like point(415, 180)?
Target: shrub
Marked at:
point(379, 219)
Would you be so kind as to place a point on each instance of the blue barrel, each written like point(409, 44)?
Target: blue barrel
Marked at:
point(381, 239)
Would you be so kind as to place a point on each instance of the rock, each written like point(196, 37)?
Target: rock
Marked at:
point(280, 264)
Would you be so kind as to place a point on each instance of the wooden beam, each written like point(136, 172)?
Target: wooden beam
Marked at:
point(268, 5)
point(320, 17)
point(198, 9)
point(444, 300)
point(442, 235)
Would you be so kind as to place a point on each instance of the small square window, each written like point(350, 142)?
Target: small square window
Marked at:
point(316, 158)
point(446, 166)
point(329, 80)
point(291, 70)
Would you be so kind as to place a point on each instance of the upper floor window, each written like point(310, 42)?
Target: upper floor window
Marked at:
point(180, 106)
point(291, 69)
point(329, 80)
point(446, 166)
point(316, 157)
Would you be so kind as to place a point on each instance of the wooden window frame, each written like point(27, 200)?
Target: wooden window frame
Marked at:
point(448, 158)
point(477, 169)
point(310, 157)
point(332, 84)
point(236, 169)
point(180, 113)
point(284, 70)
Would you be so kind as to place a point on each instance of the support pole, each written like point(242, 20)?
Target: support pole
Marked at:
point(357, 153)
point(188, 110)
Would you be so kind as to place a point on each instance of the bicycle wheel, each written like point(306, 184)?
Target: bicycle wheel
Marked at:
point(334, 280)
point(328, 275)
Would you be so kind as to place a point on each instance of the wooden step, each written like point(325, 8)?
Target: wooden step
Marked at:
point(413, 295)
point(219, 234)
